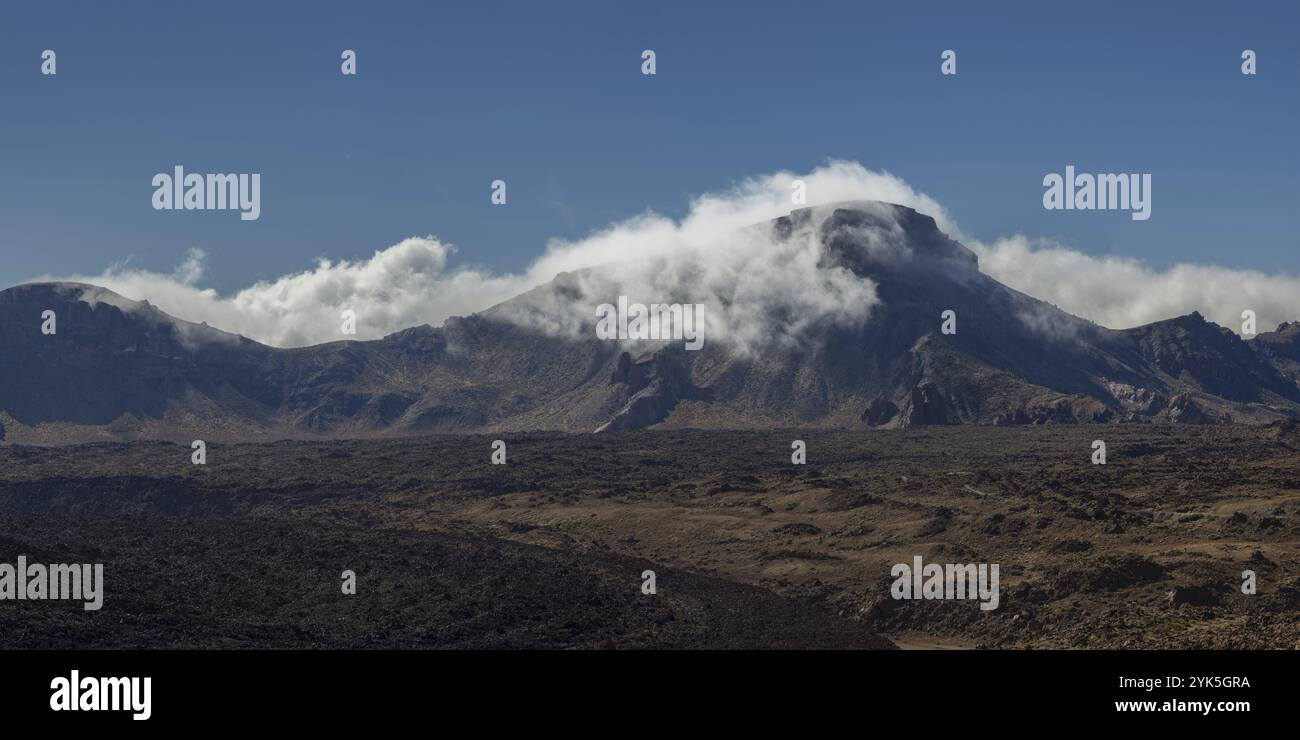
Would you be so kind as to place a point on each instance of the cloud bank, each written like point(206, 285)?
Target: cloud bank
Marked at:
point(755, 287)
point(1121, 292)
point(401, 286)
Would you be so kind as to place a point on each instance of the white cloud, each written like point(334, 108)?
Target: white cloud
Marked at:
point(746, 280)
point(1121, 292)
point(755, 288)
point(401, 286)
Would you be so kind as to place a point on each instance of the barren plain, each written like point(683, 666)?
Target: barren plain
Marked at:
point(750, 550)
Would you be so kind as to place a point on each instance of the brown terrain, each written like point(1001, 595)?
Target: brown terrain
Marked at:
point(750, 550)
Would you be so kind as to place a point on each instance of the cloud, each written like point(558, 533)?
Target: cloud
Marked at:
point(755, 287)
point(400, 286)
point(1120, 292)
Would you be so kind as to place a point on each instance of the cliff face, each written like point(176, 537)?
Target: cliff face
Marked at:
point(117, 368)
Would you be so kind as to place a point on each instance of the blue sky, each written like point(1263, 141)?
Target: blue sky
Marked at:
point(549, 97)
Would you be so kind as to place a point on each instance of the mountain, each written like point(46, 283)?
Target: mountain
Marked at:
point(117, 368)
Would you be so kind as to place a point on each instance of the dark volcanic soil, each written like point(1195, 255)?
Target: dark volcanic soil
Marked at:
point(749, 550)
point(271, 581)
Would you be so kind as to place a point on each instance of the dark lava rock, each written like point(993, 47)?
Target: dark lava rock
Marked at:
point(800, 529)
point(1193, 595)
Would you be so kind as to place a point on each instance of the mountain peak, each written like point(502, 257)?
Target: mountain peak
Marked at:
point(80, 307)
point(869, 236)
point(65, 290)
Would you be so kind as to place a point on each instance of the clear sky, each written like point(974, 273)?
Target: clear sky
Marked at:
point(549, 96)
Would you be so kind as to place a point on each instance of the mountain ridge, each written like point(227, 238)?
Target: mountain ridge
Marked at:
point(123, 369)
